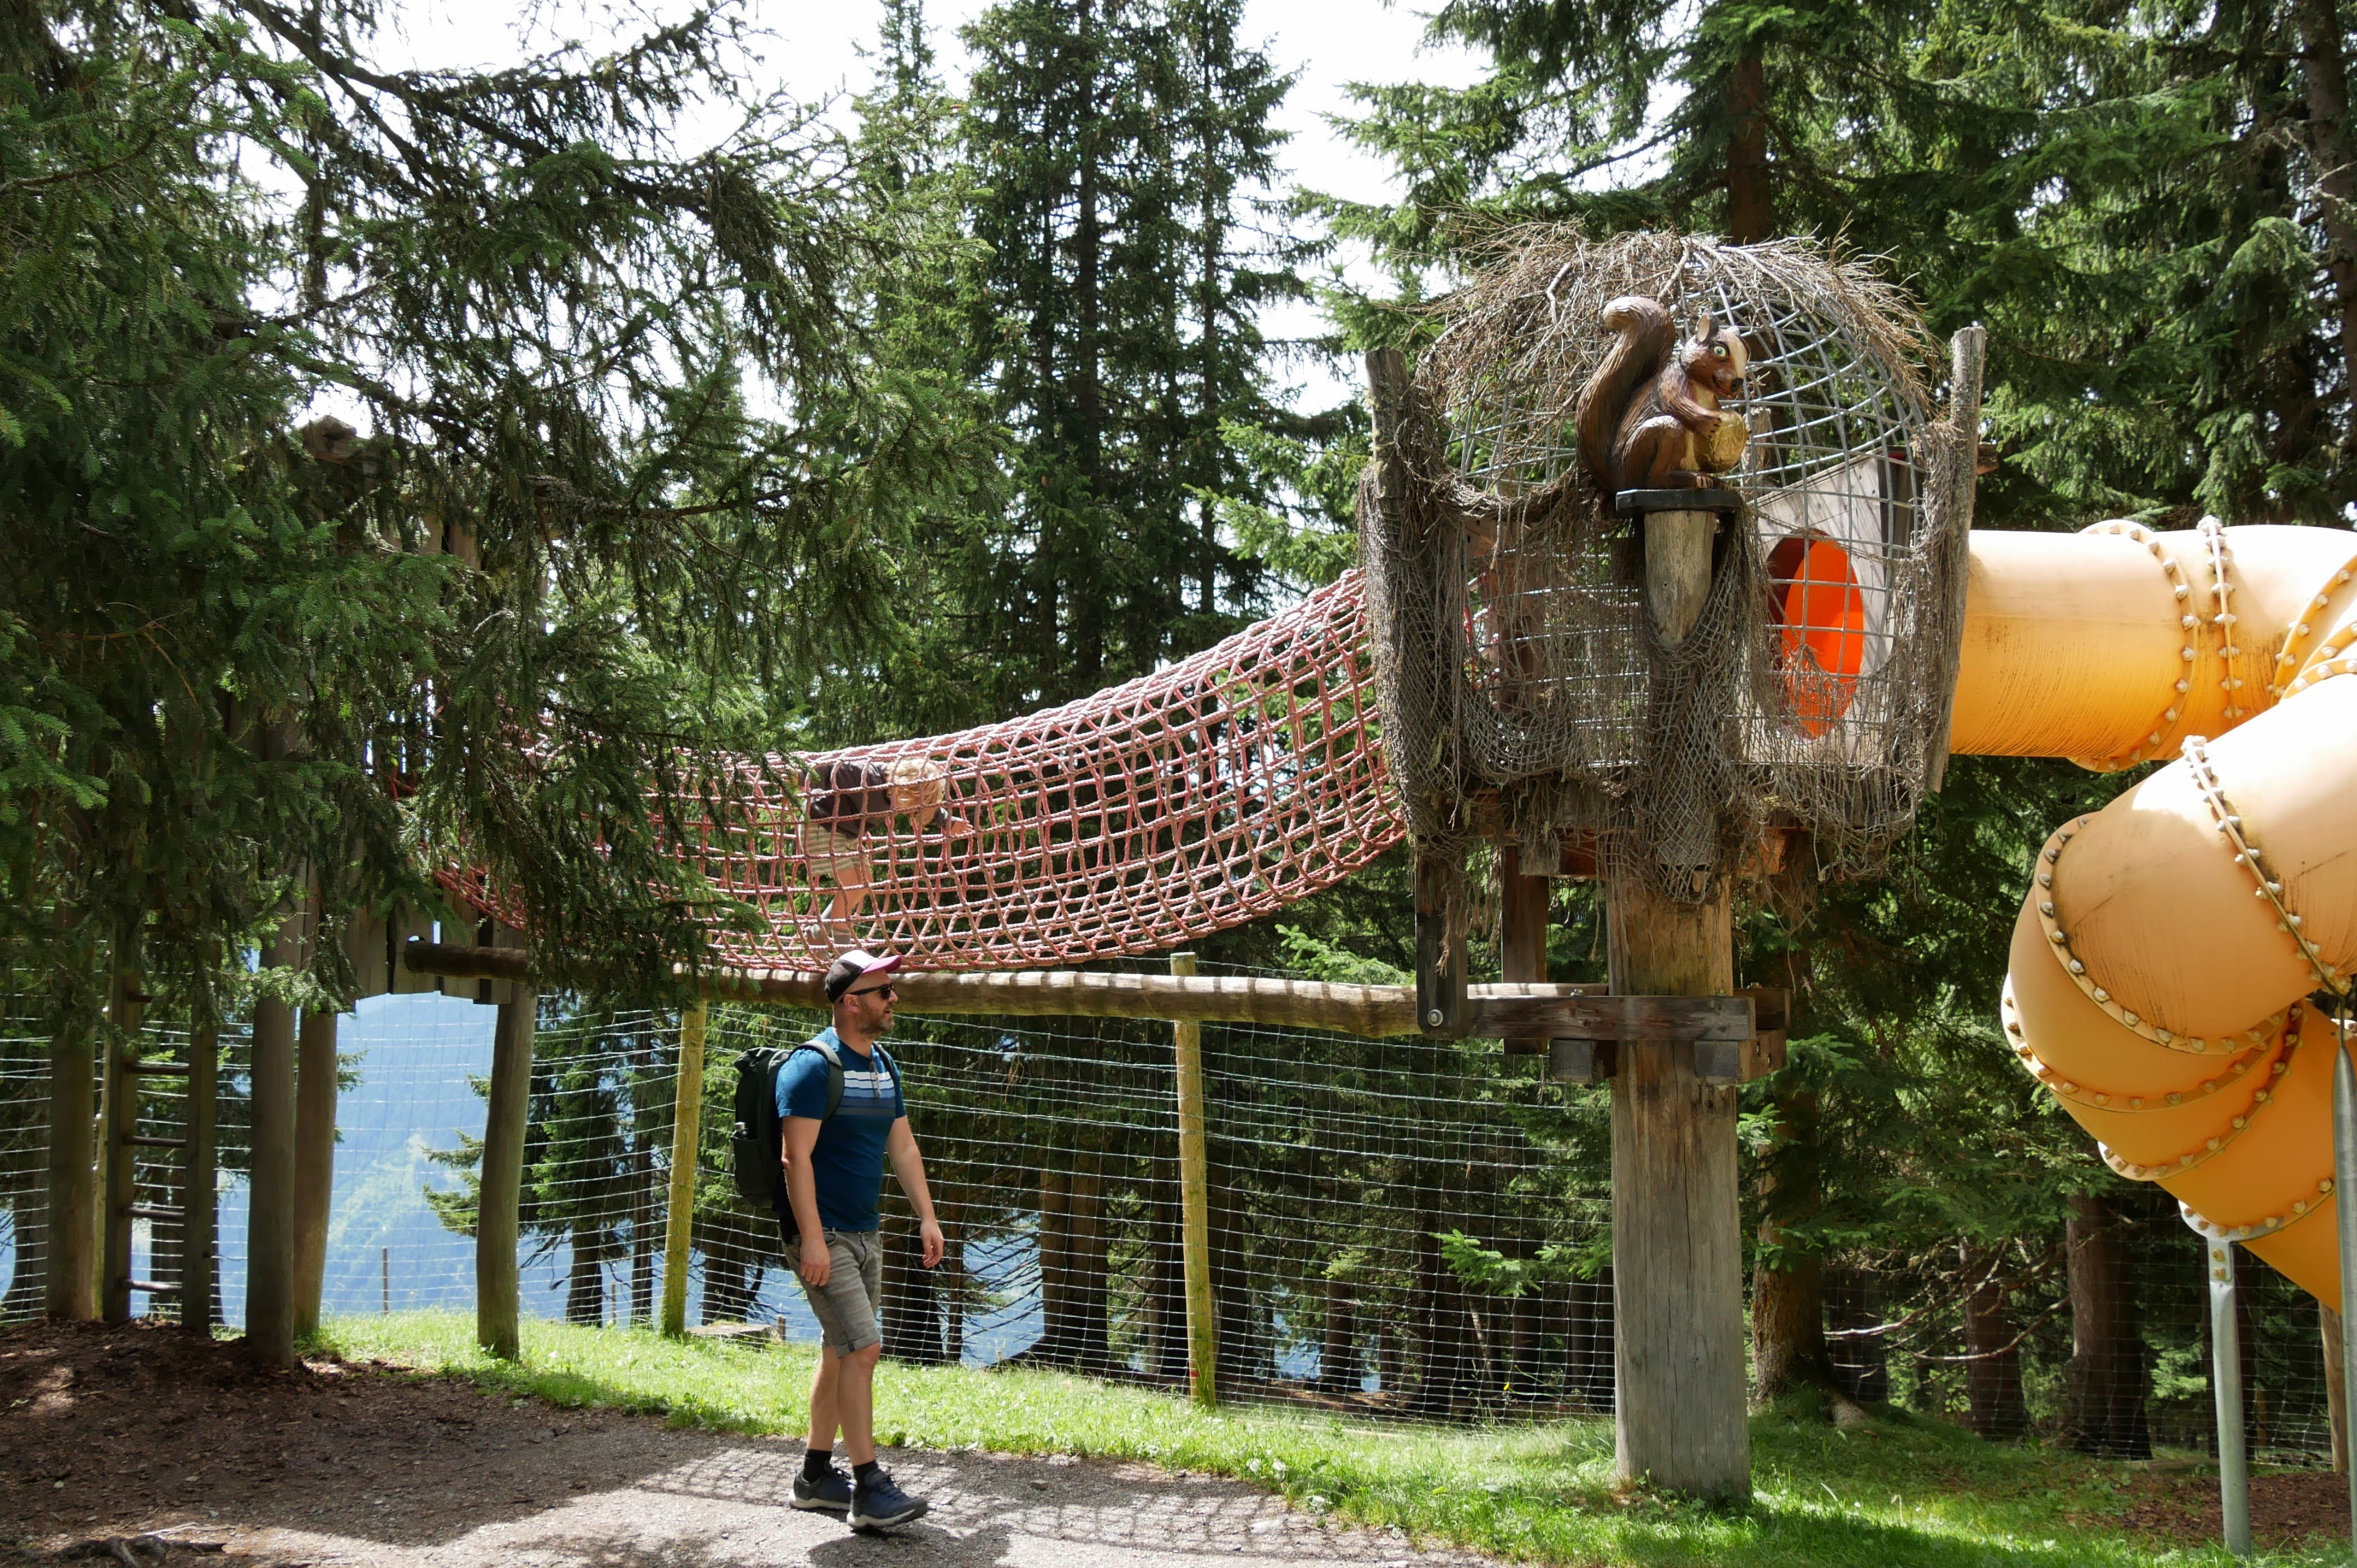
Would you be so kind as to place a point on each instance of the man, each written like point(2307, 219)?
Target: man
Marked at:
point(835, 1180)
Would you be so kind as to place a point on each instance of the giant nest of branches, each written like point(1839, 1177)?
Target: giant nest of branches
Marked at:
point(1526, 695)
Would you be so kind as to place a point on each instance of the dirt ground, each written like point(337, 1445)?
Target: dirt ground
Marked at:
point(2287, 1510)
point(110, 1435)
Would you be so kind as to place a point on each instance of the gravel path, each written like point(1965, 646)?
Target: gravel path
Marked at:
point(116, 1432)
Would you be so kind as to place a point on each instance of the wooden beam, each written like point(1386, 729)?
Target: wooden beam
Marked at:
point(1369, 1012)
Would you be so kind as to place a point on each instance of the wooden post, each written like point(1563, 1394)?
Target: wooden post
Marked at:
point(1677, 1254)
point(314, 1162)
point(1523, 919)
point(200, 1246)
point(269, 1222)
point(497, 1220)
point(124, 1013)
point(1677, 569)
point(1195, 1206)
point(679, 1215)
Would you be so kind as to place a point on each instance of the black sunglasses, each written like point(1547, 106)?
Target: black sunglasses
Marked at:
point(884, 991)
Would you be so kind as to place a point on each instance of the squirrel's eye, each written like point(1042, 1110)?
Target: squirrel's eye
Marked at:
point(1719, 349)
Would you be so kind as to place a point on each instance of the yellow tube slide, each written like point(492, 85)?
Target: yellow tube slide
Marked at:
point(2164, 963)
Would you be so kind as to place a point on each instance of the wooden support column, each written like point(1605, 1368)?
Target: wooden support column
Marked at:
point(125, 1010)
point(1677, 1250)
point(499, 1217)
point(270, 1212)
point(679, 1212)
point(200, 1241)
point(315, 1161)
point(1677, 1253)
point(1195, 1206)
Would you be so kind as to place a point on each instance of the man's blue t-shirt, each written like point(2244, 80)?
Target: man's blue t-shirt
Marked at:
point(847, 1162)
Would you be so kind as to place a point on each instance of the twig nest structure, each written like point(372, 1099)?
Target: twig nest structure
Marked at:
point(1526, 693)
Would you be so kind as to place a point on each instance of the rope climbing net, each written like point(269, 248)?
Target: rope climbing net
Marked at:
point(1131, 821)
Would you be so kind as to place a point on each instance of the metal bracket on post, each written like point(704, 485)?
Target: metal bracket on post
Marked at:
point(1439, 952)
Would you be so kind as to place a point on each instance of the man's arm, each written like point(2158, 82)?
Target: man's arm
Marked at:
point(909, 1165)
point(799, 1136)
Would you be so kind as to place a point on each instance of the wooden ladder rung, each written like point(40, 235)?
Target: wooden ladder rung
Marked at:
point(157, 1069)
point(149, 1287)
point(141, 1141)
point(154, 1212)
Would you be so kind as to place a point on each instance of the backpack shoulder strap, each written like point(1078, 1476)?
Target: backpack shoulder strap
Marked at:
point(834, 1072)
point(892, 1067)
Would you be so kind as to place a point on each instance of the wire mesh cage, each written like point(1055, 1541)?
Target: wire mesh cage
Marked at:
point(1517, 660)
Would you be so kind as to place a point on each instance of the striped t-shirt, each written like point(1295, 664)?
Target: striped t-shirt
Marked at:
point(847, 1162)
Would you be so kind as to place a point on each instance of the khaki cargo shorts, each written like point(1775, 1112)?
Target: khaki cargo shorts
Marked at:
point(850, 1303)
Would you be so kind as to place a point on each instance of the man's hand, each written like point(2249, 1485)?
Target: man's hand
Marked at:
point(930, 1234)
point(817, 1263)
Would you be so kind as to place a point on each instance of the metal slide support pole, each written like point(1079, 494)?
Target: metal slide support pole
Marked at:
point(2226, 1383)
point(679, 1212)
point(1195, 1206)
point(2345, 1173)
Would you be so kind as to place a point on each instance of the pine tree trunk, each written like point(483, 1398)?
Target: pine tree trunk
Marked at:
point(1086, 1259)
point(1788, 1327)
point(1170, 1279)
point(1861, 1362)
point(1993, 1376)
point(2324, 67)
point(2336, 1388)
point(2104, 1385)
point(727, 1259)
point(1750, 197)
point(1440, 1318)
point(1789, 1353)
point(585, 1286)
point(1338, 1349)
point(1591, 1352)
point(71, 1232)
point(1055, 1338)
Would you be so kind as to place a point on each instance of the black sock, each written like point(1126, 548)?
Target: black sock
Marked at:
point(817, 1463)
point(863, 1473)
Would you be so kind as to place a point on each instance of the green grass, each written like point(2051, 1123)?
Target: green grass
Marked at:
point(1900, 1493)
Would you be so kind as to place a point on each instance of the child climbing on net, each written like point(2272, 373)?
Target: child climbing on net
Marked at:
point(851, 802)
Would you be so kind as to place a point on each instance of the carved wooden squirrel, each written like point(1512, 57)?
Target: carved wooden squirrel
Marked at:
point(1649, 418)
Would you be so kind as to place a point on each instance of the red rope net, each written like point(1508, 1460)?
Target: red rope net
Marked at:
point(1148, 816)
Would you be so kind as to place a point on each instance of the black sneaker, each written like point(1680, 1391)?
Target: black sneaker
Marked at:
point(830, 1494)
point(878, 1504)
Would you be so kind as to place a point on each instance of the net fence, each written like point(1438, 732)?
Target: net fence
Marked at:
point(1401, 1231)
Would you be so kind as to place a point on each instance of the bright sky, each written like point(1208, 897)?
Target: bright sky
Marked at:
point(814, 51)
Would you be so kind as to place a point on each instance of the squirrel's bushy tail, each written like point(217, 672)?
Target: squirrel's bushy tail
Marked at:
point(1646, 334)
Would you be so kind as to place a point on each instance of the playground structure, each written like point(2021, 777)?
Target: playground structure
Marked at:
point(1721, 689)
